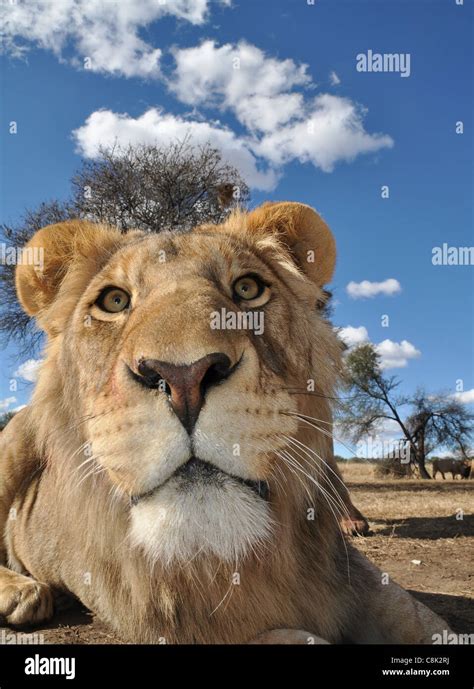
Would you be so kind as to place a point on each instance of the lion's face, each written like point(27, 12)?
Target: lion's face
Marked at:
point(179, 356)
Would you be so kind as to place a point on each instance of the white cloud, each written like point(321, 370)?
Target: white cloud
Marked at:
point(106, 128)
point(338, 135)
point(29, 370)
point(4, 404)
point(259, 91)
point(334, 79)
point(353, 336)
point(366, 289)
point(240, 78)
point(392, 354)
point(396, 354)
point(329, 130)
point(466, 397)
point(106, 32)
point(269, 97)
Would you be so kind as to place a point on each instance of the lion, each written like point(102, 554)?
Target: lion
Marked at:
point(173, 472)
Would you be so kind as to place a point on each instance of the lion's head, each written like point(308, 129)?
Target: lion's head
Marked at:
point(185, 365)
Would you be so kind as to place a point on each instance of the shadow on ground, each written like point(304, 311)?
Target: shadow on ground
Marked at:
point(73, 624)
point(409, 485)
point(456, 610)
point(429, 528)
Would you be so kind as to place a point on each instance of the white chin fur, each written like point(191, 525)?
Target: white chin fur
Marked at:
point(176, 524)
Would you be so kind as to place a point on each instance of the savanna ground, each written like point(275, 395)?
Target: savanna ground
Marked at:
point(416, 539)
point(419, 538)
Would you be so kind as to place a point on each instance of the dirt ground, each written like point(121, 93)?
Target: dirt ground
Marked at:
point(418, 538)
point(423, 537)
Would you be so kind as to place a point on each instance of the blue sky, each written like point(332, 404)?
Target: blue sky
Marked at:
point(157, 69)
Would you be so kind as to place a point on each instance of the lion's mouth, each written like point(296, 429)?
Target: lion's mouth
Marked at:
point(196, 470)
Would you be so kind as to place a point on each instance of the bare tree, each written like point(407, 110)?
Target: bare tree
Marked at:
point(154, 188)
point(434, 420)
point(146, 187)
point(439, 420)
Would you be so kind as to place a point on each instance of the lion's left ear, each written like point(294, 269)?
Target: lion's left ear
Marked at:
point(303, 232)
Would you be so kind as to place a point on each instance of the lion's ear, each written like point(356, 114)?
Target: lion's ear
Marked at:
point(303, 232)
point(50, 254)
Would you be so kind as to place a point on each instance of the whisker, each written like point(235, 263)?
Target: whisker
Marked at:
point(286, 458)
point(300, 391)
point(305, 418)
point(339, 507)
point(299, 442)
point(327, 497)
point(322, 475)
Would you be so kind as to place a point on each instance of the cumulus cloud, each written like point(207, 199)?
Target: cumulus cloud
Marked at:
point(367, 289)
point(330, 131)
point(240, 78)
point(333, 130)
point(272, 100)
point(353, 336)
point(260, 92)
point(334, 79)
point(466, 397)
point(396, 354)
point(392, 354)
point(337, 135)
point(6, 403)
point(29, 370)
point(106, 128)
point(108, 33)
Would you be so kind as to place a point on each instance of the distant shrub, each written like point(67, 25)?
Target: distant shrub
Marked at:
point(392, 467)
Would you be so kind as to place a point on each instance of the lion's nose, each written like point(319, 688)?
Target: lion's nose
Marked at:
point(188, 383)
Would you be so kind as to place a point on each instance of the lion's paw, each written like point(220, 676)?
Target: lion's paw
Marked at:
point(352, 526)
point(24, 601)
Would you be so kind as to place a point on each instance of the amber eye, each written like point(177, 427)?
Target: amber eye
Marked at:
point(248, 287)
point(113, 300)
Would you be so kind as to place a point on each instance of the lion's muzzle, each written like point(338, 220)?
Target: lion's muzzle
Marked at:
point(186, 384)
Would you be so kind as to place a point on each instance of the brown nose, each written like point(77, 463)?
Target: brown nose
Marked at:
point(188, 383)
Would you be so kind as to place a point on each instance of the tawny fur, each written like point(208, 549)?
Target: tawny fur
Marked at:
point(92, 438)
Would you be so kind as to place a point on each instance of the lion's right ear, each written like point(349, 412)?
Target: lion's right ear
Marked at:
point(53, 251)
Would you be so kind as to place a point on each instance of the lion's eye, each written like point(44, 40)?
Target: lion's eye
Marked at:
point(113, 300)
point(248, 287)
